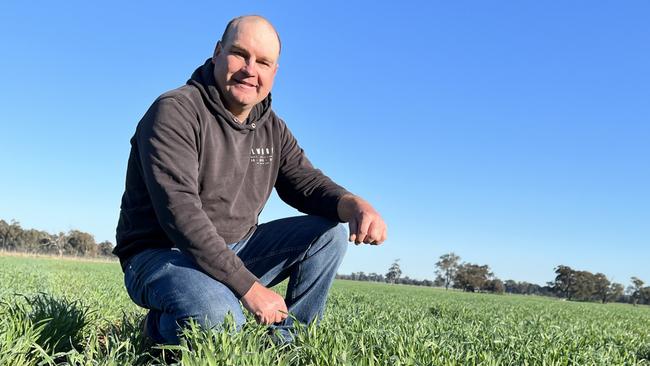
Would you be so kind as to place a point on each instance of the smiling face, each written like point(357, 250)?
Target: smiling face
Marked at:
point(245, 64)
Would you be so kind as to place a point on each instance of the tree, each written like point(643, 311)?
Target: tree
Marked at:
point(447, 267)
point(471, 277)
point(30, 240)
point(602, 287)
point(615, 291)
point(59, 242)
point(9, 233)
point(105, 248)
point(635, 289)
point(565, 281)
point(511, 287)
point(527, 288)
point(14, 238)
point(80, 243)
point(376, 277)
point(394, 272)
point(585, 286)
point(645, 295)
point(494, 285)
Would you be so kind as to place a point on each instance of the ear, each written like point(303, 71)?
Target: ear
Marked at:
point(217, 51)
point(275, 69)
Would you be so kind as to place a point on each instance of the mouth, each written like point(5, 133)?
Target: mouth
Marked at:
point(244, 83)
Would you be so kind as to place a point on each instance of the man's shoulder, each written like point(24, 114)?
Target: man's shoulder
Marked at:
point(176, 108)
point(186, 95)
point(275, 120)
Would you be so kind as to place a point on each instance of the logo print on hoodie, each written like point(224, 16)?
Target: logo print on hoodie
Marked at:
point(262, 155)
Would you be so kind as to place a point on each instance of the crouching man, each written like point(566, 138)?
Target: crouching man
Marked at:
point(204, 160)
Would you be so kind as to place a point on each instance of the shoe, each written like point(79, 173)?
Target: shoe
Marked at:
point(147, 340)
point(148, 346)
point(281, 336)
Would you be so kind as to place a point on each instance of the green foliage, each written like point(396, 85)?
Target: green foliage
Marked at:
point(62, 322)
point(446, 268)
point(252, 346)
point(394, 272)
point(472, 277)
point(18, 336)
point(365, 324)
point(75, 243)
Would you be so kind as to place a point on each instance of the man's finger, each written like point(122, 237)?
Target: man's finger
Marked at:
point(353, 230)
point(364, 225)
point(260, 318)
point(379, 232)
point(384, 235)
point(279, 317)
point(374, 234)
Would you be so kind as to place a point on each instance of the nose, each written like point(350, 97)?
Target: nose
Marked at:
point(250, 68)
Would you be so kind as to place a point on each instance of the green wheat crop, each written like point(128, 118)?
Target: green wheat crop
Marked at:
point(62, 312)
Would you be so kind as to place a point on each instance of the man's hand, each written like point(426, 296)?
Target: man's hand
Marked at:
point(267, 306)
point(366, 225)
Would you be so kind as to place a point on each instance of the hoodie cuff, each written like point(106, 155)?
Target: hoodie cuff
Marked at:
point(241, 281)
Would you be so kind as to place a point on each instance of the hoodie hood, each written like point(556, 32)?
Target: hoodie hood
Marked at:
point(203, 79)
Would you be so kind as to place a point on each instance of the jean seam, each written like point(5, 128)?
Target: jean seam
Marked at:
point(159, 300)
point(298, 279)
point(299, 267)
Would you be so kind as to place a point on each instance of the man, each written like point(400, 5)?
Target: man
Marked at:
point(204, 160)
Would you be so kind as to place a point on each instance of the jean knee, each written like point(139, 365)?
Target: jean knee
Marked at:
point(213, 311)
point(338, 240)
point(215, 318)
point(208, 307)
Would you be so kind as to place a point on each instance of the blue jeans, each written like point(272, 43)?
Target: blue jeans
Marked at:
point(306, 249)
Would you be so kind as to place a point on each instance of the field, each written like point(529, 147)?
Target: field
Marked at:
point(57, 311)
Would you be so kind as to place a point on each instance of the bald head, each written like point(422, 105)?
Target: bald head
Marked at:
point(235, 23)
point(245, 63)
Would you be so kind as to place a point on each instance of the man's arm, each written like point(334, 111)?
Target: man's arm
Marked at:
point(166, 142)
point(301, 185)
point(309, 190)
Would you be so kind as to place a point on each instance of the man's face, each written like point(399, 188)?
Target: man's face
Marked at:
point(245, 64)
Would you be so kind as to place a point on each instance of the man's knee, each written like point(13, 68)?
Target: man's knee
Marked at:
point(210, 307)
point(340, 239)
point(334, 241)
point(207, 308)
point(185, 292)
point(219, 319)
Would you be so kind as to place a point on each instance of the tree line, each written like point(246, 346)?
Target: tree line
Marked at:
point(569, 283)
point(74, 243)
point(465, 276)
point(394, 275)
point(579, 285)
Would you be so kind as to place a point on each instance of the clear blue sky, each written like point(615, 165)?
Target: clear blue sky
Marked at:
point(516, 134)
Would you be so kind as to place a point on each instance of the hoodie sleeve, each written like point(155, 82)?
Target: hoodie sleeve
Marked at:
point(301, 185)
point(167, 145)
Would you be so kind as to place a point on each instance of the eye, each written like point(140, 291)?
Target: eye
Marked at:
point(237, 52)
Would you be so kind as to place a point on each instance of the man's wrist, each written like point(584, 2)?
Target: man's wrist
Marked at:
point(347, 206)
point(251, 291)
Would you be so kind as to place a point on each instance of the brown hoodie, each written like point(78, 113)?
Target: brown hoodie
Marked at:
point(197, 180)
